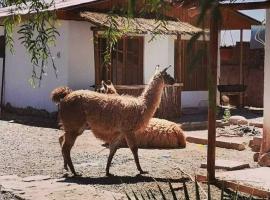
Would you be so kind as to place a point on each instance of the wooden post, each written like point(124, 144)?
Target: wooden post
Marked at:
point(212, 85)
point(177, 66)
point(241, 71)
point(265, 148)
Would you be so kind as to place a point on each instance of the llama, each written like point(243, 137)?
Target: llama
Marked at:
point(159, 133)
point(121, 116)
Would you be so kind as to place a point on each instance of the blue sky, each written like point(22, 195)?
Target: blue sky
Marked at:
point(230, 37)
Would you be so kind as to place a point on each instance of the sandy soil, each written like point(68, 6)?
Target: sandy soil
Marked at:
point(30, 150)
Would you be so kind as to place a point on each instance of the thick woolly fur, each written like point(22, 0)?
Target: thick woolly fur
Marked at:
point(120, 116)
point(159, 133)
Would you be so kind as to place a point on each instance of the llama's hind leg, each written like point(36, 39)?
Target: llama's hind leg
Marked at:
point(113, 148)
point(132, 144)
point(61, 141)
point(67, 144)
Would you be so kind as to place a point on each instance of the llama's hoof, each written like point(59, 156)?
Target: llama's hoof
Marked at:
point(66, 167)
point(77, 175)
point(143, 172)
point(108, 174)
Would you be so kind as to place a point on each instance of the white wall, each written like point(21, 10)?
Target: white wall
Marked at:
point(194, 99)
point(18, 90)
point(81, 68)
point(74, 59)
point(266, 114)
point(160, 51)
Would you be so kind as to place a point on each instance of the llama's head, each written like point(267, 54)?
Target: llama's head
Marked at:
point(107, 88)
point(164, 76)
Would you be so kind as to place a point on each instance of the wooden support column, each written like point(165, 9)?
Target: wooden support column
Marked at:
point(265, 148)
point(241, 71)
point(177, 65)
point(212, 85)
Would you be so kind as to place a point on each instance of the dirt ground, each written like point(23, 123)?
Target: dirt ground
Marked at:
point(30, 150)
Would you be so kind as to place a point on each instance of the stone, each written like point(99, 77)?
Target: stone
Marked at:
point(254, 181)
point(256, 148)
point(256, 156)
point(238, 120)
point(222, 142)
point(257, 140)
point(264, 160)
point(255, 143)
point(46, 188)
point(36, 178)
point(228, 165)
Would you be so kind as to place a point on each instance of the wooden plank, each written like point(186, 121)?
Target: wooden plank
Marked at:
point(236, 186)
point(228, 165)
point(242, 71)
point(212, 72)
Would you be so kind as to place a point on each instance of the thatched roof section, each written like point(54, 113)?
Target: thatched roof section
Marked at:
point(140, 25)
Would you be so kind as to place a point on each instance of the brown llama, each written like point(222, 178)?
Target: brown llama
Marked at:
point(159, 133)
point(123, 116)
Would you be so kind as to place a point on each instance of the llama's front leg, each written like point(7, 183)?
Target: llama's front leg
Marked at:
point(67, 144)
point(113, 148)
point(132, 144)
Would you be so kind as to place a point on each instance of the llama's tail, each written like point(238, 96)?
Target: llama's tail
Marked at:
point(59, 93)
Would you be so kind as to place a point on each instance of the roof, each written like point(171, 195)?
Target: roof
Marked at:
point(235, 20)
point(58, 4)
point(141, 25)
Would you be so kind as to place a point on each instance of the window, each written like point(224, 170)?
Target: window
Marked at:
point(127, 61)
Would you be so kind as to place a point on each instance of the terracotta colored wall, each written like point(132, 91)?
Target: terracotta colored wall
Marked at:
point(253, 71)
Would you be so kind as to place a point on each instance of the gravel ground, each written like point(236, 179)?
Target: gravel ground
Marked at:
point(29, 150)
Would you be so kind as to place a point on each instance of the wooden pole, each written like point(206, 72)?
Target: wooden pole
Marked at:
point(177, 69)
point(212, 85)
point(241, 71)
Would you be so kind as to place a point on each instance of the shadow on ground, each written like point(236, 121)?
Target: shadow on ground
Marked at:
point(117, 180)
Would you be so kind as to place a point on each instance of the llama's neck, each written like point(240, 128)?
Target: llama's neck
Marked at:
point(152, 96)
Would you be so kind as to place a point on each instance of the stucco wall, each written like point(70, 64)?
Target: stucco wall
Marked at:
point(74, 59)
point(194, 99)
point(159, 51)
point(81, 69)
point(18, 90)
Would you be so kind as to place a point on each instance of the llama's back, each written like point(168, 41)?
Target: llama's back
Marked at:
point(161, 133)
point(101, 111)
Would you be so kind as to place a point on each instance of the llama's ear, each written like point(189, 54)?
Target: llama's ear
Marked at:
point(109, 82)
point(164, 70)
point(102, 82)
point(105, 86)
point(157, 69)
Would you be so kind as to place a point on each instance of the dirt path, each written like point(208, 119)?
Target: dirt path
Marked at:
point(28, 150)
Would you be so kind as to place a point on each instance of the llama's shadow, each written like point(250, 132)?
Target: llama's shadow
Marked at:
point(117, 180)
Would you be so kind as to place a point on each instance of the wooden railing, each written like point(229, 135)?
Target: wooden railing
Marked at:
point(170, 105)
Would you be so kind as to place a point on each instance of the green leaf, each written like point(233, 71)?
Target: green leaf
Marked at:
point(161, 192)
point(222, 192)
point(135, 195)
point(129, 198)
point(197, 189)
point(152, 194)
point(185, 191)
point(172, 191)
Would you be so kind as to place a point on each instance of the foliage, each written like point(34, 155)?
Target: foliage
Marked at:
point(36, 32)
point(226, 115)
point(153, 8)
point(166, 194)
